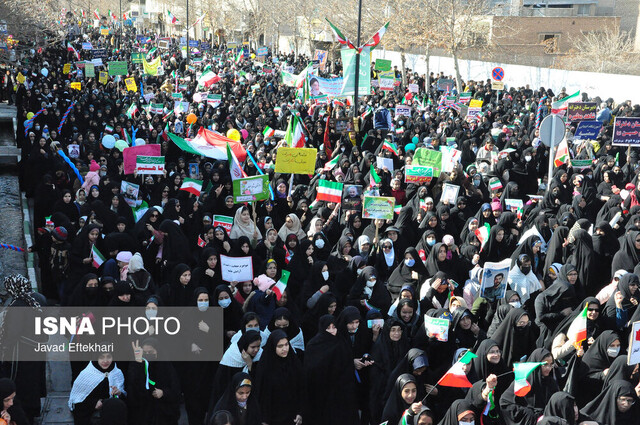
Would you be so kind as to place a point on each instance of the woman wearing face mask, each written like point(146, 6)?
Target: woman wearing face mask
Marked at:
point(86, 293)
point(368, 291)
point(240, 400)
point(196, 375)
point(618, 404)
point(516, 336)
point(562, 348)
point(300, 266)
point(232, 310)
point(317, 284)
point(555, 303)
point(525, 410)
point(411, 271)
point(596, 363)
point(321, 246)
point(100, 379)
point(329, 364)
point(461, 412)
point(426, 243)
point(622, 305)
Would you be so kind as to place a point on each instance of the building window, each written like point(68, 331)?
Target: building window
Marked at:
point(550, 42)
point(584, 10)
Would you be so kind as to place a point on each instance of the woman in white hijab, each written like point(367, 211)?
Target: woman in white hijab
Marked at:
point(244, 226)
point(291, 225)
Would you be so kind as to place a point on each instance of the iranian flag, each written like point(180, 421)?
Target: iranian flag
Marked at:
point(98, 258)
point(192, 186)
point(455, 376)
point(201, 242)
point(294, 135)
point(375, 40)
point(268, 131)
point(208, 78)
point(482, 233)
point(209, 144)
point(495, 184)
point(374, 176)
point(397, 209)
point(172, 19)
point(562, 153)
point(329, 191)
point(465, 97)
point(165, 133)
point(281, 285)
point(108, 128)
point(329, 165)
point(521, 371)
point(132, 111)
point(199, 19)
point(239, 57)
point(96, 14)
point(340, 37)
point(126, 137)
point(70, 48)
point(560, 106)
point(578, 330)
point(391, 147)
point(234, 166)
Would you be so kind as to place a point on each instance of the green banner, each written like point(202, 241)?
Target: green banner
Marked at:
point(251, 189)
point(89, 70)
point(137, 57)
point(383, 65)
point(418, 174)
point(378, 207)
point(428, 158)
point(349, 72)
point(118, 68)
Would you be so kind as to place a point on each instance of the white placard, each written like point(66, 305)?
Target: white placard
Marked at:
point(385, 162)
point(236, 269)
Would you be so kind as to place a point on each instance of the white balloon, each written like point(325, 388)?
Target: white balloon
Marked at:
point(44, 72)
point(108, 141)
point(140, 142)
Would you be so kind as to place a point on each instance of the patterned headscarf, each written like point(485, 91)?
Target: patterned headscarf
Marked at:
point(19, 288)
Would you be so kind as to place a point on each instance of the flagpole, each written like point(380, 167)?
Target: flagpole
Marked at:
point(355, 82)
point(187, 25)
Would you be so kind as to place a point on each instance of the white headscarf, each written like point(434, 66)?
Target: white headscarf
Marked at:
point(296, 229)
point(241, 229)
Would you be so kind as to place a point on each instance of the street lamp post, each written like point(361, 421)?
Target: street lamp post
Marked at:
point(188, 48)
point(355, 82)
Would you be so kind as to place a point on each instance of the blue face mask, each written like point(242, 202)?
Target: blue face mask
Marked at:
point(204, 305)
point(431, 242)
point(224, 303)
point(257, 329)
point(409, 262)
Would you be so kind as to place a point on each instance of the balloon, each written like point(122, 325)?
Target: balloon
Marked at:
point(30, 115)
point(233, 134)
point(197, 97)
point(140, 142)
point(121, 145)
point(253, 55)
point(108, 141)
point(192, 118)
point(44, 72)
point(244, 134)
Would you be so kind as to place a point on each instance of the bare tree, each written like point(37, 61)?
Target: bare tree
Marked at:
point(460, 26)
point(609, 51)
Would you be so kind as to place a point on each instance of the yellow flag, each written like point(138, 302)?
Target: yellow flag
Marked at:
point(475, 103)
point(151, 68)
point(131, 84)
point(66, 68)
point(76, 85)
point(21, 78)
point(104, 76)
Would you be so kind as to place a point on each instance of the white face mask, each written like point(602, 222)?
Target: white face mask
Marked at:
point(151, 313)
point(371, 283)
point(527, 158)
point(325, 275)
point(319, 243)
point(613, 351)
point(474, 149)
point(203, 305)
point(515, 304)
point(466, 423)
point(359, 272)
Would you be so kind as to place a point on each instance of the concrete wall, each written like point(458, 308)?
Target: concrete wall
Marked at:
point(618, 87)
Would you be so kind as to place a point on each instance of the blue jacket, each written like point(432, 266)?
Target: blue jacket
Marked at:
point(382, 119)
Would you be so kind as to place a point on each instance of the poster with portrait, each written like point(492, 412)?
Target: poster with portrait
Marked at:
point(449, 193)
point(494, 279)
point(129, 192)
point(352, 197)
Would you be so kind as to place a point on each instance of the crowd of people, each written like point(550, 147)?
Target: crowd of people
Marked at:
point(346, 343)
